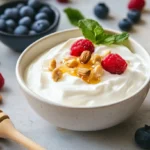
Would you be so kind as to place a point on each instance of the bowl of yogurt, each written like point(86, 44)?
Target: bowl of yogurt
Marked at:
point(68, 96)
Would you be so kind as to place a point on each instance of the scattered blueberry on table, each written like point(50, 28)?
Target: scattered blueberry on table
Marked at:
point(27, 19)
point(134, 15)
point(101, 10)
point(125, 24)
point(142, 137)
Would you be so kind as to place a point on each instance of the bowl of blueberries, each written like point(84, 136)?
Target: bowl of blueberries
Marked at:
point(24, 21)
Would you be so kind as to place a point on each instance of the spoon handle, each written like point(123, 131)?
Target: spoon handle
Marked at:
point(16, 136)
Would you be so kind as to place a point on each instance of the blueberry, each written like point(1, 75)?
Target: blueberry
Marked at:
point(26, 21)
point(142, 137)
point(32, 32)
point(11, 13)
point(125, 24)
point(36, 4)
point(40, 25)
point(3, 16)
point(21, 30)
point(134, 15)
point(10, 23)
point(20, 5)
point(2, 25)
point(27, 11)
point(47, 10)
point(41, 15)
point(8, 13)
point(101, 10)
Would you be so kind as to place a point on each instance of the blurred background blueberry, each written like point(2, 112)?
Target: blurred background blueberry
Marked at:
point(3, 16)
point(134, 15)
point(20, 5)
point(101, 10)
point(27, 11)
point(41, 15)
point(40, 25)
point(2, 25)
point(26, 21)
point(125, 24)
point(47, 10)
point(11, 13)
point(21, 30)
point(11, 23)
point(32, 32)
point(36, 4)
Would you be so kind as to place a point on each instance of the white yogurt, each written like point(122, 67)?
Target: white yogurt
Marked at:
point(73, 91)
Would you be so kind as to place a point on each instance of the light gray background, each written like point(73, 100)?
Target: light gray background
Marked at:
point(120, 137)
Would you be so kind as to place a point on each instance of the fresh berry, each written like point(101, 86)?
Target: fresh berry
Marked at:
point(125, 24)
point(20, 5)
point(27, 11)
point(41, 15)
point(136, 4)
point(11, 13)
point(114, 64)
point(40, 25)
point(101, 10)
point(21, 30)
point(134, 15)
point(47, 10)
point(2, 81)
point(3, 16)
point(15, 13)
point(2, 25)
point(81, 45)
point(11, 23)
point(36, 4)
point(26, 21)
point(142, 137)
point(63, 1)
point(32, 32)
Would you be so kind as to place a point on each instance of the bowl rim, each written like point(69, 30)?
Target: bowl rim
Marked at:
point(40, 98)
point(52, 26)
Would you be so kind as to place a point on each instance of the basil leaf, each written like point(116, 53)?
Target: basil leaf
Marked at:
point(74, 15)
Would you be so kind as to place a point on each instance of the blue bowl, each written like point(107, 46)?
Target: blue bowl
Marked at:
point(20, 42)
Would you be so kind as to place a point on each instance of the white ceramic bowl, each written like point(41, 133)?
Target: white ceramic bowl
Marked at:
point(75, 118)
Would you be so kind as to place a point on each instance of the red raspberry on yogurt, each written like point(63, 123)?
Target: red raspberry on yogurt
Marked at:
point(114, 64)
point(81, 45)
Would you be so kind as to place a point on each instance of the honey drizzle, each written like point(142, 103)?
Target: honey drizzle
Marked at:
point(73, 71)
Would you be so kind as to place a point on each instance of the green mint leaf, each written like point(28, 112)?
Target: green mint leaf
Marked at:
point(121, 37)
point(74, 15)
point(93, 31)
point(109, 39)
point(90, 29)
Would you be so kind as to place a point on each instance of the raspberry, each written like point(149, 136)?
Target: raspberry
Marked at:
point(2, 81)
point(81, 45)
point(114, 64)
point(136, 4)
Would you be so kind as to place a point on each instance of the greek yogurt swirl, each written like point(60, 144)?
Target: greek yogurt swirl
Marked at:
point(73, 91)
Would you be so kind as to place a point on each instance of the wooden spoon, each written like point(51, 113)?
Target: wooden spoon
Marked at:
point(7, 130)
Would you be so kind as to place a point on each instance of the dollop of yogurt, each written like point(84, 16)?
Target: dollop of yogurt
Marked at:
point(73, 91)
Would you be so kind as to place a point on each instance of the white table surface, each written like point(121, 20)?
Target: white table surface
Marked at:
point(120, 137)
